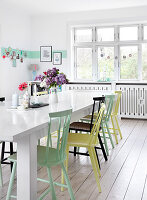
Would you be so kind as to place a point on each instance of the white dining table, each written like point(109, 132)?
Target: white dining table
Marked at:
point(26, 127)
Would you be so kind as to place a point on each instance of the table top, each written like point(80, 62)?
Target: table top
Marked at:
point(15, 123)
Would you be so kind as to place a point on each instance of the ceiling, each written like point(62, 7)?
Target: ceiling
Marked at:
point(55, 6)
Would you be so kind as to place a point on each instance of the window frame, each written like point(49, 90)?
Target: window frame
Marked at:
point(119, 65)
point(116, 44)
point(75, 62)
point(99, 46)
point(96, 34)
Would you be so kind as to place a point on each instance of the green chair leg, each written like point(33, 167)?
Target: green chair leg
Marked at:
point(1, 179)
point(114, 130)
point(109, 134)
point(105, 140)
point(51, 184)
point(68, 182)
point(11, 181)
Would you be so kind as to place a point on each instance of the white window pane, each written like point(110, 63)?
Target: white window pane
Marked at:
point(144, 61)
point(129, 62)
point(145, 32)
point(105, 34)
point(106, 63)
point(84, 63)
point(83, 35)
point(128, 33)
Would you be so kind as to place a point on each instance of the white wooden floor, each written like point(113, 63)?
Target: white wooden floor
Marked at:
point(123, 176)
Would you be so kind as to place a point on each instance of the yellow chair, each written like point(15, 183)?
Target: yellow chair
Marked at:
point(88, 141)
point(114, 115)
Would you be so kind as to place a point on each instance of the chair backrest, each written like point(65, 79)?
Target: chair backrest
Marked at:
point(109, 99)
point(117, 102)
point(62, 123)
point(96, 127)
point(96, 99)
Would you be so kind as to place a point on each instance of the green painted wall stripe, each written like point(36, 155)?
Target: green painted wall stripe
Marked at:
point(36, 54)
point(33, 54)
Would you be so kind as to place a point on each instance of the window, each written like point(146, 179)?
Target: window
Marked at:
point(128, 33)
point(110, 53)
point(144, 62)
point(129, 62)
point(106, 63)
point(84, 63)
point(83, 35)
point(105, 34)
point(145, 32)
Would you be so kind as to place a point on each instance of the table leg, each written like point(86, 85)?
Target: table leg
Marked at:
point(27, 168)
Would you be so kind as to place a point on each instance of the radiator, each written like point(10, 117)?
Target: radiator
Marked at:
point(133, 102)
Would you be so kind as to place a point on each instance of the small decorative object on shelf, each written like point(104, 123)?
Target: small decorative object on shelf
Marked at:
point(25, 100)
point(34, 68)
point(52, 79)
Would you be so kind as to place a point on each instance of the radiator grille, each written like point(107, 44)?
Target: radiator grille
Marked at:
point(133, 101)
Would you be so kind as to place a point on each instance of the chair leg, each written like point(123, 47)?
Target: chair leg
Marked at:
point(3, 150)
point(51, 184)
point(94, 168)
point(109, 134)
point(68, 182)
point(105, 140)
point(11, 181)
point(114, 130)
point(66, 164)
point(97, 158)
point(1, 178)
point(11, 153)
point(118, 127)
point(102, 147)
point(75, 150)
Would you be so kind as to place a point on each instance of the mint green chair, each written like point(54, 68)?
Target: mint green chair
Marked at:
point(1, 179)
point(109, 99)
point(47, 156)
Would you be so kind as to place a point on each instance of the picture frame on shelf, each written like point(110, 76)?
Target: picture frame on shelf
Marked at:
point(45, 53)
point(57, 58)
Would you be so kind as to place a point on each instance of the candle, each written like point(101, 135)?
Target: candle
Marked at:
point(14, 100)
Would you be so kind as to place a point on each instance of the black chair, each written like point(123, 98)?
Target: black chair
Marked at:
point(86, 127)
point(3, 152)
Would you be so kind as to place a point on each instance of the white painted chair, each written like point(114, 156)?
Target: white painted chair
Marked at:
point(1, 180)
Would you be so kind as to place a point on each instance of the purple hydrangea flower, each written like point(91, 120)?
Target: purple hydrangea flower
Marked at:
point(53, 78)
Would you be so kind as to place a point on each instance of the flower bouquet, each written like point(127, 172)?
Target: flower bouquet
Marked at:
point(50, 80)
point(25, 99)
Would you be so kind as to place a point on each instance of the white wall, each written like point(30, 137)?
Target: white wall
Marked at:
point(54, 29)
point(15, 32)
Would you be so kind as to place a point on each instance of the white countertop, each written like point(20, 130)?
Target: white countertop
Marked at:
point(15, 123)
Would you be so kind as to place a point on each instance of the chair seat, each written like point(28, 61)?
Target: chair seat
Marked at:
point(42, 158)
point(81, 140)
point(80, 126)
point(49, 159)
